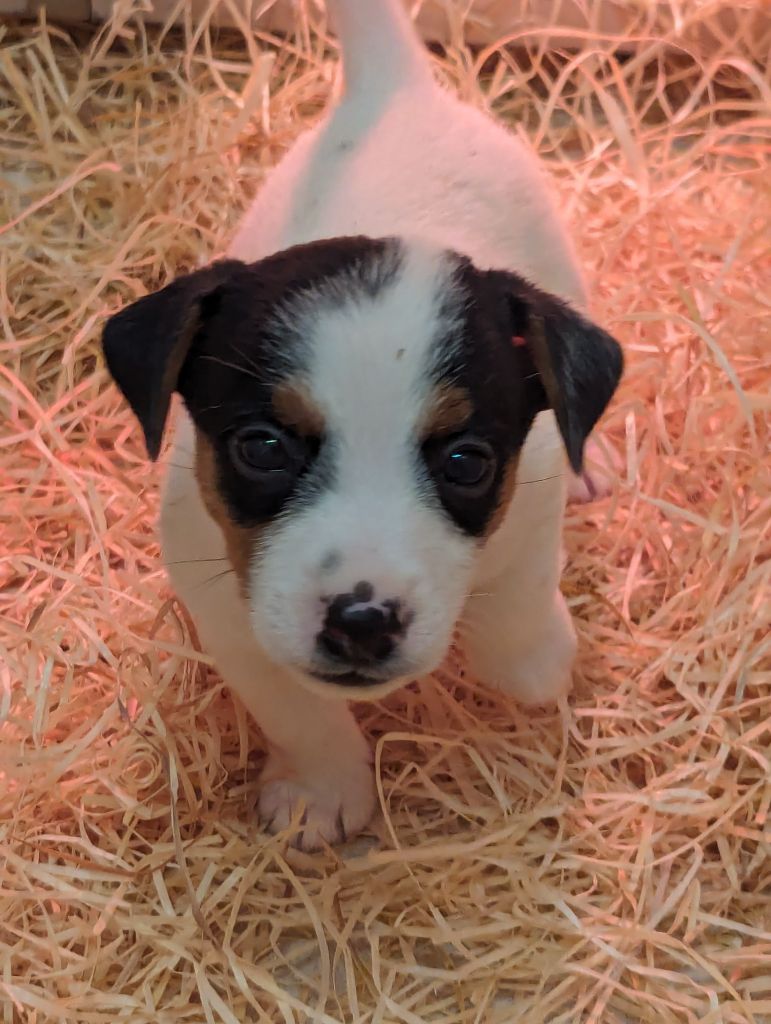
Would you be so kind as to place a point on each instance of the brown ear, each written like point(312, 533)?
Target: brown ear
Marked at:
point(578, 364)
point(146, 344)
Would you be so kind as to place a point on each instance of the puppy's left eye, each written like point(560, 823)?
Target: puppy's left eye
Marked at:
point(468, 464)
point(267, 454)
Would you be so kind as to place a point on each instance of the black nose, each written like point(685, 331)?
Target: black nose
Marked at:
point(360, 631)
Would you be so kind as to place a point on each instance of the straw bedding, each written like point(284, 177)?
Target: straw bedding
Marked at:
point(607, 861)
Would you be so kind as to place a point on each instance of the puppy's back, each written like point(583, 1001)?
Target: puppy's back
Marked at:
point(399, 156)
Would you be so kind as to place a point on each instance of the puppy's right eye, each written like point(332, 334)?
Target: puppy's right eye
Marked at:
point(268, 455)
point(466, 467)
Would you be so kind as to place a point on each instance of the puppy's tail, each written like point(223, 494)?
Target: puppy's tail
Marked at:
point(379, 47)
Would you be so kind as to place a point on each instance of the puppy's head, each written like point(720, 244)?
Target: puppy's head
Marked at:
point(359, 407)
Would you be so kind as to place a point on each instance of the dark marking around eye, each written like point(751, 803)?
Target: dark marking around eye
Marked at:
point(504, 495)
point(484, 389)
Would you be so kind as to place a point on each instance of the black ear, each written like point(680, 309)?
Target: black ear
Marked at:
point(146, 344)
point(578, 364)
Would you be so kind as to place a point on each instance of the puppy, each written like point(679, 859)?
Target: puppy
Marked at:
point(383, 388)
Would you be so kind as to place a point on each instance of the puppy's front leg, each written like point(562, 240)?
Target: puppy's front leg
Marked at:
point(317, 756)
point(519, 634)
point(520, 642)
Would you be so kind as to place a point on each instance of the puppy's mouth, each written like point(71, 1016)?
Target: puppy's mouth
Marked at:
point(349, 678)
point(356, 682)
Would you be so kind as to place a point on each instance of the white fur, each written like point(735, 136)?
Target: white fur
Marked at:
point(396, 156)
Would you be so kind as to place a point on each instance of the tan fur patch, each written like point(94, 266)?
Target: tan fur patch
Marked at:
point(505, 495)
point(241, 542)
point(542, 359)
point(447, 412)
point(294, 407)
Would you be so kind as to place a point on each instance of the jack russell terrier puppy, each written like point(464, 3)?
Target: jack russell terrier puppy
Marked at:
point(383, 388)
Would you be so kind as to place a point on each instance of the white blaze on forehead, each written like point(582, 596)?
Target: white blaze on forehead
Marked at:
point(370, 361)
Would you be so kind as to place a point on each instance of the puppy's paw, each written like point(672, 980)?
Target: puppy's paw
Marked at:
point(602, 465)
point(334, 800)
point(534, 666)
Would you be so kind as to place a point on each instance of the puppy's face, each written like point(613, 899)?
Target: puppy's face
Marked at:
point(359, 407)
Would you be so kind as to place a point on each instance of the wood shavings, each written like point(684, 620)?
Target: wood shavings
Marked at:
point(605, 862)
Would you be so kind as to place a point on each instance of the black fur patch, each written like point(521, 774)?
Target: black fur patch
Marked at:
point(219, 338)
point(565, 363)
point(245, 350)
